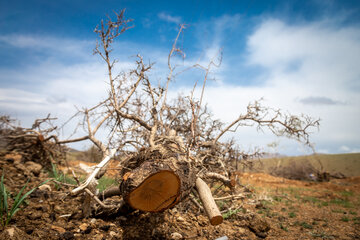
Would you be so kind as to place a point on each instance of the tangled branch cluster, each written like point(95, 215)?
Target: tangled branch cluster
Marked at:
point(138, 115)
point(38, 143)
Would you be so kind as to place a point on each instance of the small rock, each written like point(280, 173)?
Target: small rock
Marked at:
point(58, 229)
point(99, 236)
point(58, 209)
point(33, 167)
point(259, 205)
point(93, 221)
point(13, 158)
point(13, 233)
point(260, 227)
point(45, 187)
point(222, 238)
point(83, 226)
point(176, 235)
point(122, 218)
point(10, 231)
point(35, 215)
point(241, 230)
point(180, 219)
point(112, 234)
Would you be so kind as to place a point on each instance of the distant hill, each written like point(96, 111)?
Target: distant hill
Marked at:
point(346, 164)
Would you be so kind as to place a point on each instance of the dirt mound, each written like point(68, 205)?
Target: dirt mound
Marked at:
point(54, 214)
point(275, 208)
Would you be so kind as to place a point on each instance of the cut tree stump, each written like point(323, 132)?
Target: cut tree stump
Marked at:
point(157, 179)
point(157, 192)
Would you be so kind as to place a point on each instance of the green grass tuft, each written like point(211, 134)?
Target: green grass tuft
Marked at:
point(6, 213)
point(342, 202)
point(230, 213)
point(106, 182)
point(292, 214)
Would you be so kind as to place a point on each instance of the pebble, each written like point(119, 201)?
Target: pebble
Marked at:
point(222, 238)
point(176, 235)
point(99, 236)
point(122, 218)
point(58, 229)
point(45, 187)
point(83, 226)
point(33, 167)
point(35, 215)
point(112, 234)
point(10, 231)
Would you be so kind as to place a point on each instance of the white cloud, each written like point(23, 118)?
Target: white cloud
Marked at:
point(347, 149)
point(168, 18)
point(344, 148)
point(319, 101)
point(53, 45)
point(316, 61)
point(327, 56)
point(318, 53)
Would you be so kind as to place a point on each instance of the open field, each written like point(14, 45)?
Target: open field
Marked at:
point(346, 164)
point(307, 210)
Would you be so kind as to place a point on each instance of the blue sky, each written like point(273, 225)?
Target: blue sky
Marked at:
point(300, 56)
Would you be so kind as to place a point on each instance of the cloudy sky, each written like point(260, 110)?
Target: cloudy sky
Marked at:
point(299, 56)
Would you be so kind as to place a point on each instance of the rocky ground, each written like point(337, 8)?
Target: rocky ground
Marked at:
point(275, 208)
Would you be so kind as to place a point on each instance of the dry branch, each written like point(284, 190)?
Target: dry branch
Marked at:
point(92, 176)
point(227, 181)
point(34, 144)
point(208, 202)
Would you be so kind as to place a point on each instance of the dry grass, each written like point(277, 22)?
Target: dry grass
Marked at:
point(347, 164)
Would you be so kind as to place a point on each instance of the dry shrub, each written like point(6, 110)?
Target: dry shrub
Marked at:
point(37, 144)
point(296, 171)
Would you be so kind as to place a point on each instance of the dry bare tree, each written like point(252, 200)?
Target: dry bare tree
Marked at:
point(168, 147)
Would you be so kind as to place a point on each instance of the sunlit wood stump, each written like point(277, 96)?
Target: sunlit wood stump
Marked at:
point(155, 180)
